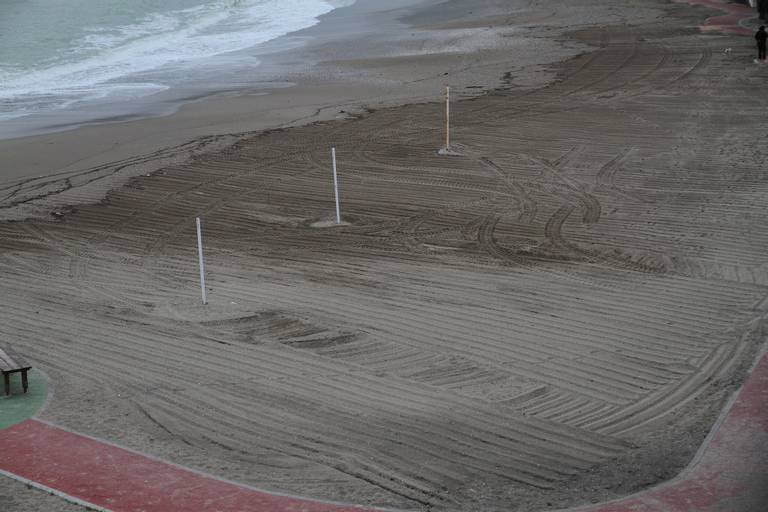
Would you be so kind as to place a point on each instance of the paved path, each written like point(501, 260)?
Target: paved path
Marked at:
point(729, 474)
point(113, 478)
point(733, 21)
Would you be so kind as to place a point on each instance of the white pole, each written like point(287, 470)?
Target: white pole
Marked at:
point(447, 117)
point(336, 186)
point(200, 257)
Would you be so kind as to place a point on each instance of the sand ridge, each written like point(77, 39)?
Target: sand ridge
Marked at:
point(553, 316)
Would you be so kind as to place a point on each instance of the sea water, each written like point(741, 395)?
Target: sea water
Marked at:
point(59, 56)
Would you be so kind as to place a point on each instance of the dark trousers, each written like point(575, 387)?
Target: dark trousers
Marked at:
point(761, 51)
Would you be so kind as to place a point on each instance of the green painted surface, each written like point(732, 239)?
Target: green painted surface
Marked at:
point(21, 406)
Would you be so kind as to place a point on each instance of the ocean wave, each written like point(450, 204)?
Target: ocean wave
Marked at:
point(105, 58)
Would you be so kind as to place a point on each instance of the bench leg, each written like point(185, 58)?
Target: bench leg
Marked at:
point(7, 379)
point(24, 382)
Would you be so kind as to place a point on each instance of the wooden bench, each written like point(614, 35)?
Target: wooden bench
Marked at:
point(11, 362)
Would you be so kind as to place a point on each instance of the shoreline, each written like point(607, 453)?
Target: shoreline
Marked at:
point(151, 79)
point(333, 75)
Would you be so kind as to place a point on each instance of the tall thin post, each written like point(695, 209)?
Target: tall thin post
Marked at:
point(202, 264)
point(336, 186)
point(447, 117)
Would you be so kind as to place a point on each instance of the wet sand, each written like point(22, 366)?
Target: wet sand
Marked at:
point(553, 316)
point(364, 56)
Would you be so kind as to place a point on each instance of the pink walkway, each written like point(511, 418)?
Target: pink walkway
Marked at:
point(120, 480)
point(729, 475)
point(730, 22)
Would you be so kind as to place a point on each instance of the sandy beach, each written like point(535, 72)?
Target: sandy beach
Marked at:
point(358, 58)
point(553, 315)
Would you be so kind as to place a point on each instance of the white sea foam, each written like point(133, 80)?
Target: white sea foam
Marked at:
point(107, 60)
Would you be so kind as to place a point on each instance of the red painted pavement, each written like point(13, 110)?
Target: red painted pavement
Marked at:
point(125, 481)
point(730, 474)
point(729, 22)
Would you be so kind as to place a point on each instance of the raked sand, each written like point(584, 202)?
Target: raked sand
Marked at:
point(554, 315)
